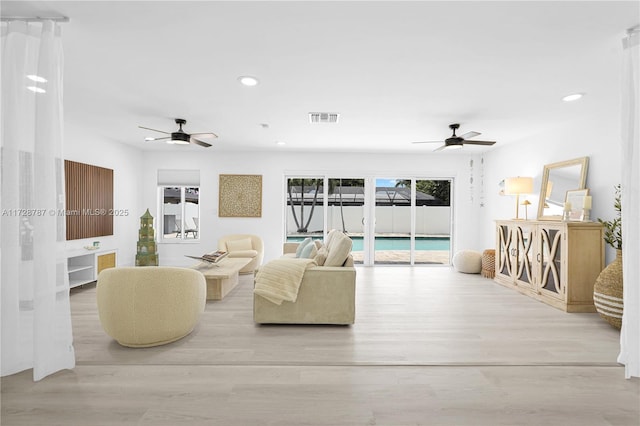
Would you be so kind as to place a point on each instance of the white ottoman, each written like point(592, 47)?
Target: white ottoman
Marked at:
point(468, 261)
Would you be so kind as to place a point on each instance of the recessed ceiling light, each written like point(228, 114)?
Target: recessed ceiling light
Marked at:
point(37, 78)
point(573, 97)
point(36, 89)
point(247, 80)
point(280, 143)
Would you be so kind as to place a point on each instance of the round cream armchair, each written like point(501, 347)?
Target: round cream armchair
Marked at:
point(150, 306)
point(244, 245)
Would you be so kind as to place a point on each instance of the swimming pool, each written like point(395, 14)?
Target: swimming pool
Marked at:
point(397, 243)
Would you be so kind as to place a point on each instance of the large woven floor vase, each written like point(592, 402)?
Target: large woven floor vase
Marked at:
point(607, 292)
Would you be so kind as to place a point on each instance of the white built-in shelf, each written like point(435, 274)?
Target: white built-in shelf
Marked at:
point(83, 266)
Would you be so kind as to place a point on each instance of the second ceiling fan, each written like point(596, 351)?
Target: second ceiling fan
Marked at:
point(180, 137)
point(455, 141)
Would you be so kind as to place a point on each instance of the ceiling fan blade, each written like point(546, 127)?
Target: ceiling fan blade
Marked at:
point(197, 142)
point(440, 148)
point(428, 142)
point(205, 135)
point(156, 139)
point(470, 135)
point(155, 130)
point(479, 142)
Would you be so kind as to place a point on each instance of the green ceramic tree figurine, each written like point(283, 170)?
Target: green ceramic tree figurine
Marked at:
point(146, 254)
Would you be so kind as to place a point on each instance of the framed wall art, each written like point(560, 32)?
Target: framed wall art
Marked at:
point(240, 196)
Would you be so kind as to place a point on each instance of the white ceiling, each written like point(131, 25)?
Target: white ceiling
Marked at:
point(396, 72)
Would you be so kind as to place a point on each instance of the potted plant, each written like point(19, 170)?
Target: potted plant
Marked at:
point(607, 291)
point(613, 228)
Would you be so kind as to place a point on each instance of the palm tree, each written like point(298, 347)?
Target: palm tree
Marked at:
point(301, 226)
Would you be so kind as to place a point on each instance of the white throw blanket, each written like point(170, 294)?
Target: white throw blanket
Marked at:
point(280, 279)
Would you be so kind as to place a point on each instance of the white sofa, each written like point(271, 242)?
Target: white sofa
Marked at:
point(326, 294)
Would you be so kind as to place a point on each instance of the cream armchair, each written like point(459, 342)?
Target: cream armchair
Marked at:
point(244, 245)
point(150, 305)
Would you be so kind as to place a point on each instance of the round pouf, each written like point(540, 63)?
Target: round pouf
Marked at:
point(489, 263)
point(468, 262)
point(607, 292)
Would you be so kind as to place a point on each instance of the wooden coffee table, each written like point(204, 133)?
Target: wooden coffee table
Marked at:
point(221, 277)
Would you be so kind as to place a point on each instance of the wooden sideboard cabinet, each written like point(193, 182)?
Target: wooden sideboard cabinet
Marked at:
point(554, 262)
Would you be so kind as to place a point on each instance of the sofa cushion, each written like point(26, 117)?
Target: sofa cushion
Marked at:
point(339, 249)
point(302, 245)
point(243, 244)
point(330, 236)
point(244, 253)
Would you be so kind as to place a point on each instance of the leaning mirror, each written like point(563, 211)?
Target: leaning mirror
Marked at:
point(557, 179)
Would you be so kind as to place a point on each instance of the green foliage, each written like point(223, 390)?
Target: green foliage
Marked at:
point(613, 228)
point(441, 189)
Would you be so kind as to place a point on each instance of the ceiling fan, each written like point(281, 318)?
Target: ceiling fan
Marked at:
point(179, 137)
point(455, 142)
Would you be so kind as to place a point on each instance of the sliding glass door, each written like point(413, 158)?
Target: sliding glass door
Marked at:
point(346, 211)
point(392, 221)
point(305, 208)
point(432, 221)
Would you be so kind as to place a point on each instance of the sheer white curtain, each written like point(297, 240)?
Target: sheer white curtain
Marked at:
point(630, 334)
point(34, 304)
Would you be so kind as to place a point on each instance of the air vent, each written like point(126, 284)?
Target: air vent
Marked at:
point(323, 117)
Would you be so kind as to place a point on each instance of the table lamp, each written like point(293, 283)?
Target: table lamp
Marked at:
point(516, 186)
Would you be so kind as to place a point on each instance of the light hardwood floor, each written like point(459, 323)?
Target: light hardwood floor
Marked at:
point(430, 347)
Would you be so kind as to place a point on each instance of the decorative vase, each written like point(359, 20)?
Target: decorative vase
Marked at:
point(607, 292)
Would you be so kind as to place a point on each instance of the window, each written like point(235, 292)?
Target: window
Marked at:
point(179, 193)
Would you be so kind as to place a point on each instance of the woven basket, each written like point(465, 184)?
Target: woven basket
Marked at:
point(489, 263)
point(607, 292)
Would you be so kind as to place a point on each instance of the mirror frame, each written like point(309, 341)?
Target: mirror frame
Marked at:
point(582, 161)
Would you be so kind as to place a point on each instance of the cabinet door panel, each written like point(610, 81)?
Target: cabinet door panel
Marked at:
point(550, 272)
point(523, 256)
point(504, 261)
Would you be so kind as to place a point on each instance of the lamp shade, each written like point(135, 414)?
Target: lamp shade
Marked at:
point(518, 185)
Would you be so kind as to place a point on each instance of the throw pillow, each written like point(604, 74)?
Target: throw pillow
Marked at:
point(235, 245)
point(339, 250)
point(321, 256)
point(309, 251)
point(301, 246)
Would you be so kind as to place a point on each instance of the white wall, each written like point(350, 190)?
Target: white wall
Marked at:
point(596, 139)
point(81, 145)
point(273, 167)
point(135, 177)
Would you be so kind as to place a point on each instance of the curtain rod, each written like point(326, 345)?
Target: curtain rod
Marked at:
point(34, 19)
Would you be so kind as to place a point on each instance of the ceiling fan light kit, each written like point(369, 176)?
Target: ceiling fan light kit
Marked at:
point(180, 137)
point(457, 142)
point(247, 80)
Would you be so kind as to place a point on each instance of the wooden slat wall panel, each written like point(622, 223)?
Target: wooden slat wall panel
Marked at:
point(89, 200)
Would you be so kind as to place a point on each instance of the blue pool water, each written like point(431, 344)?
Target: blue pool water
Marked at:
point(397, 243)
